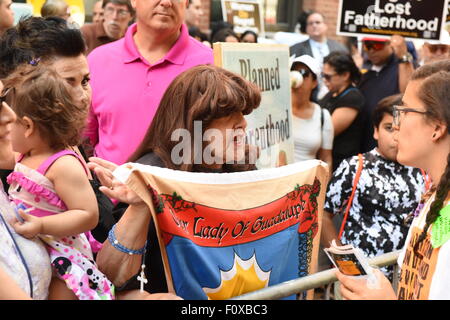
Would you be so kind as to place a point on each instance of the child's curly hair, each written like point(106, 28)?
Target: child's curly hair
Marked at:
point(43, 96)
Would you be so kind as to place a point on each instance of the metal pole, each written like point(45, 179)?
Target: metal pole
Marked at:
point(312, 281)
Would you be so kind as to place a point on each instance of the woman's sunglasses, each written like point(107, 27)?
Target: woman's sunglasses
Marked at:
point(304, 72)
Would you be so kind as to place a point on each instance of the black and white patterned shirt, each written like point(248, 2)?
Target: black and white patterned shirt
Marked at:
point(386, 193)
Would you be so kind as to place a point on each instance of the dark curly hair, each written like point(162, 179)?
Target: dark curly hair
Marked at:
point(43, 96)
point(342, 62)
point(36, 37)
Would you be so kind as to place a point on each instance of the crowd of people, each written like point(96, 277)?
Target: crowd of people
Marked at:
point(115, 90)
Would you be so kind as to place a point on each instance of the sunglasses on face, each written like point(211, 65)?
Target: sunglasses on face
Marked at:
point(305, 73)
point(327, 76)
point(433, 48)
point(375, 45)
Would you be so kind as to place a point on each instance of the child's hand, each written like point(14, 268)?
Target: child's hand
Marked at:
point(31, 226)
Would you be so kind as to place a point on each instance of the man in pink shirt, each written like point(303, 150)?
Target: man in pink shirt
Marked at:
point(130, 76)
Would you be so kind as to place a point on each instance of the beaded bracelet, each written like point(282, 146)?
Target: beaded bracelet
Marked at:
point(116, 244)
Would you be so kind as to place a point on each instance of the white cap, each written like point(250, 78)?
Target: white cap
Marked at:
point(309, 61)
point(444, 39)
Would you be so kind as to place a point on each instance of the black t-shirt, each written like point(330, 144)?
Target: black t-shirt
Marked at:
point(348, 142)
point(376, 86)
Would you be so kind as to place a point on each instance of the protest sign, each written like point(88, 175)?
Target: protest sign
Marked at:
point(227, 234)
point(447, 23)
point(244, 15)
point(76, 8)
point(270, 125)
point(409, 18)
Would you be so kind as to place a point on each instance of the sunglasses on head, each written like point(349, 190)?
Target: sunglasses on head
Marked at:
point(376, 45)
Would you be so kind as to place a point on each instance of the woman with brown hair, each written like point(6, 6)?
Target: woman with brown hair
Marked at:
point(205, 103)
point(423, 134)
point(205, 97)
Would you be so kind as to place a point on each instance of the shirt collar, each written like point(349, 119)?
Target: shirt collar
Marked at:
point(317, 44)
point(176, 55)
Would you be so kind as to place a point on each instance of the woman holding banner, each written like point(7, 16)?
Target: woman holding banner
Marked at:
point(423, 134)
point(210, 103)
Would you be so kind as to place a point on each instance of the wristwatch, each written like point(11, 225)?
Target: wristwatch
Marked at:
point(406, 58)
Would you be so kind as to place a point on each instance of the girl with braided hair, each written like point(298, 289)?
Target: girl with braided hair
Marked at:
point(423, 134)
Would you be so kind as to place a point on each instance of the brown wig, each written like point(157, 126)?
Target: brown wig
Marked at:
point(435, 95)
point(202, 93)
point(43, 96)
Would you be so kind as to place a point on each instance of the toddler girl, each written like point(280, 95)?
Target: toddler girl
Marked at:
point(50, 181)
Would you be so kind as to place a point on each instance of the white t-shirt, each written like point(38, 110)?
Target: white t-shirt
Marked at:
point(310, 136)
point(433, 273)
point(34, 252)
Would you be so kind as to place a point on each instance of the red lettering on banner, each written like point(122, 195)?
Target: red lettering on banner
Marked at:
point(207, 226)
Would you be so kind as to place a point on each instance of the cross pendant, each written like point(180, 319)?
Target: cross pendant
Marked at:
point(141, 278)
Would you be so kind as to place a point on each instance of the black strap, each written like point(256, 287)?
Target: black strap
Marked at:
point(321, 118)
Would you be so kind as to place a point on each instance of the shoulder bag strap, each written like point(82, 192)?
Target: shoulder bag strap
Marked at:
point(426, 179)
point(352, 195)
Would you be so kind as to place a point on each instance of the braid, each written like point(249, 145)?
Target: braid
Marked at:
point(441, 194)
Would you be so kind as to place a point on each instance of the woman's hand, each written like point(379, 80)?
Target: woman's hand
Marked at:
point(111, 187)
point(30, 227)
point(353, 288)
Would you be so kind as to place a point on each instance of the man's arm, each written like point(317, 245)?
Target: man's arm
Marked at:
point(405, 69)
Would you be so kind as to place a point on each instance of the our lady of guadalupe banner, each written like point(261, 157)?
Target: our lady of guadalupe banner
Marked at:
point(223, 235)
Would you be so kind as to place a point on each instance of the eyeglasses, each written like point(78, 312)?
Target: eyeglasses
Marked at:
point(327, 76)
point(433, 48)
point(397, 110)
point(120, 12)
point(376, 45)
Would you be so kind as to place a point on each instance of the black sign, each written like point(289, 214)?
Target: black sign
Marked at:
point(418, 19)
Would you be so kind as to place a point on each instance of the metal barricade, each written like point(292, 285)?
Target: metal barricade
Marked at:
point(315, 280)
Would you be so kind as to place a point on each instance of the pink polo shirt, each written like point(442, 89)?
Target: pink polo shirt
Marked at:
point(126, 90)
